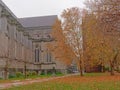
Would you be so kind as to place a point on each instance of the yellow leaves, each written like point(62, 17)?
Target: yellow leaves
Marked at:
point(72, 20)
point(59, 47)
point(96, 43)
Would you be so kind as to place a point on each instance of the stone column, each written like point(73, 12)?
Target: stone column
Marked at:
point(5, 45)
point(0, 17)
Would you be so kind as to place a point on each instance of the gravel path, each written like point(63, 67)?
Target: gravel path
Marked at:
point(30, 81)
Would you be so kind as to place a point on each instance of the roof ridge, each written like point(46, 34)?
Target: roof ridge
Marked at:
point(37, 16)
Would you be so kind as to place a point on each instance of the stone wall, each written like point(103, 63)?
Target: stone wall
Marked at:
point(15, 46)
point(41, 37)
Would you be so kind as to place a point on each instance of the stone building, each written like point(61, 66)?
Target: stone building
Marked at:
point(23, 44)
point(39, 29)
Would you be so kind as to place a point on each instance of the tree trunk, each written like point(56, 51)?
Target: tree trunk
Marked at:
point(112, 68)
point(102, 68)
point(81, 68)
point(118, 68)
point(112, 63)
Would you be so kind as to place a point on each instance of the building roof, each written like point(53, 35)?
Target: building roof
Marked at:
point(32, 21)
point(38, 21)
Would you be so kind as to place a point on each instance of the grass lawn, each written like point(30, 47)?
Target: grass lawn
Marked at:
point(88, 82)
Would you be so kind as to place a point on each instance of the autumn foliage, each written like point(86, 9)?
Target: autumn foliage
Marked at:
point(103, 17)
point(91, 36)
point(72, 20)
point(96, 45)
point(59, 47)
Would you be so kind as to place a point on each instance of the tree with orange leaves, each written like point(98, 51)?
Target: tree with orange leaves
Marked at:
point(107, 14)
point(71, 25)
point(96, 45)
point(59, 47)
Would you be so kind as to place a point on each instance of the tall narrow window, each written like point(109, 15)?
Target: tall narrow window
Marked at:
point(36, 55)
point(8, 30)
point(48, 57)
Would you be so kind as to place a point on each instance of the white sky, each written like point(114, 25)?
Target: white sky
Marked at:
point(30, 8)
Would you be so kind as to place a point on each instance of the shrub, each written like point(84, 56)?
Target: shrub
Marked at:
point(11, 76)
point(19, 74)
point(42, 73)
point(58, 73)
point(33, 73)
point(49, 73)
point(28, 73)
point(0, 78)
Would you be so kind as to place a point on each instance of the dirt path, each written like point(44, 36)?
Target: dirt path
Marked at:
point(29, 81)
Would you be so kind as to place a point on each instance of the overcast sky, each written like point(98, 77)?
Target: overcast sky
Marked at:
point(30, 8)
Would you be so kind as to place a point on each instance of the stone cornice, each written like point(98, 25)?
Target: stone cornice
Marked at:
point(26, 34)
point(44, 63)
point(43, 40)
point(39, 28)
point(4, 13)
point(7, 9)
point(10, 18)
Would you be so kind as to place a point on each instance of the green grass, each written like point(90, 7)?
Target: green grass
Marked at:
point(95, 74)
point(70, 86)
point(91, 81)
